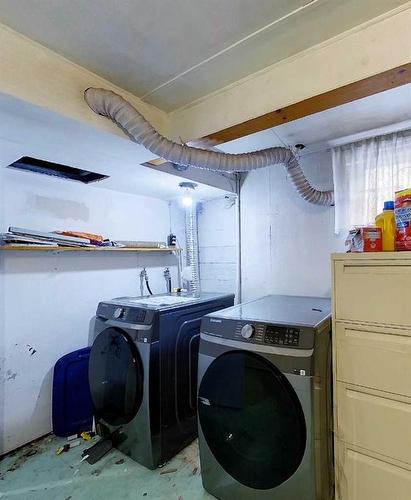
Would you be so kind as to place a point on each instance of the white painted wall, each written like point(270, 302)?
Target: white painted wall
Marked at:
point(217, 237)
point(47, 300)
point(286, 242)
point(178, 227)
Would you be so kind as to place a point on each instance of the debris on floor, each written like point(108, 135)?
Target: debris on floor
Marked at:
point(34, 472)
point(20, 457)
point(87, 435)
point(71, 444)
point(168, 471)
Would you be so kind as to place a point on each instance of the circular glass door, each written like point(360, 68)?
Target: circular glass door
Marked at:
point(115, 376)
point(251, 419)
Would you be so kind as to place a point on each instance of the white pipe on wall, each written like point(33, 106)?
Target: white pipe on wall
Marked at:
point(122, 113)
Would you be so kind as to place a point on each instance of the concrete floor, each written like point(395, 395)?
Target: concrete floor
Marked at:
point(35, 472)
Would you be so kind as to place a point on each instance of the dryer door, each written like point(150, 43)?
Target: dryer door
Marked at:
point(115, 376)
point(251, 419)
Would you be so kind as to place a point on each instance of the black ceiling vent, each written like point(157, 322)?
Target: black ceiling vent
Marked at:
point(29, 164)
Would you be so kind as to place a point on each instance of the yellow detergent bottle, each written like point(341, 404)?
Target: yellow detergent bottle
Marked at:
point(386, 221)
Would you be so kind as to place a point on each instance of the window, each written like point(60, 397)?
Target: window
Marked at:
point(367, 173)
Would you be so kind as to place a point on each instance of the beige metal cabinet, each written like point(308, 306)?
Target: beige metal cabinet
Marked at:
point(372, 375)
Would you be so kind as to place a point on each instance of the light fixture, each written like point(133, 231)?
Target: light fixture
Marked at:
point(187, 199)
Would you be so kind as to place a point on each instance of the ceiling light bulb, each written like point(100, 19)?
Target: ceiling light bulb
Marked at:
point(187, 201)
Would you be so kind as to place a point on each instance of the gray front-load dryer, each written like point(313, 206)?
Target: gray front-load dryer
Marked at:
point(264, 400)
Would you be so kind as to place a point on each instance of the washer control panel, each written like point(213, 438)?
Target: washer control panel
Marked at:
point(118, 312)
point(122, 313)
point(129, 314)
point(280, 335)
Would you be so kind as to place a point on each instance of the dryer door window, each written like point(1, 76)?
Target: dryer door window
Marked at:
point(252, 419)
point(116, 377)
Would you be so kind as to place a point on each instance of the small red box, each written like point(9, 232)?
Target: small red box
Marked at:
point(372, 237)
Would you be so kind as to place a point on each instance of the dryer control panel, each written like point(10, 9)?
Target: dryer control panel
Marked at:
point(280, 335)
point(256, 332)
point(268, 334)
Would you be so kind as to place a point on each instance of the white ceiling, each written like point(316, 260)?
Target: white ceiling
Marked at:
point(171, 52)
point(381, 113)
point(27, 130)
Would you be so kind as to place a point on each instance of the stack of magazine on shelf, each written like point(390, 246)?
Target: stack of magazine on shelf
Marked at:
point(21, 236)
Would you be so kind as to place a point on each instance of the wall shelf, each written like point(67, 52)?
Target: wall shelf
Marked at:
point(45, 248)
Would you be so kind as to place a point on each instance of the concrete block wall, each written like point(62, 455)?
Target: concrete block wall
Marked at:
point(218, 236)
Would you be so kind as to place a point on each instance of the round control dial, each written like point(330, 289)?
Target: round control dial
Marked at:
point(118, 313)
point(247, 331)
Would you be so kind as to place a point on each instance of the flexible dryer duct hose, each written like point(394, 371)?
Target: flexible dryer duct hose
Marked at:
point(122, 113)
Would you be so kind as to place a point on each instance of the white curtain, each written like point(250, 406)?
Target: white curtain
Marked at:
point(367, 173)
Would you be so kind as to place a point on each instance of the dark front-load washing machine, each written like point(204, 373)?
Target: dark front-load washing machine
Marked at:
point(264, 400)
point(143, 372)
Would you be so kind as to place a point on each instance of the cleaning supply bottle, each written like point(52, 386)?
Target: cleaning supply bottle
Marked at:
point(386, 221)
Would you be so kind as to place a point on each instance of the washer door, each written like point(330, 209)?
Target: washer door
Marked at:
point(115, 376)
point(252, 419)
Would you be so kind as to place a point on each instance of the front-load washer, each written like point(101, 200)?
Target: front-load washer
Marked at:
point(143, 372)
point(264, 400)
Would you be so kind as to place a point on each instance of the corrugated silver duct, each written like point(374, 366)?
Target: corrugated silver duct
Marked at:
point(122, 113)
point(192, 256)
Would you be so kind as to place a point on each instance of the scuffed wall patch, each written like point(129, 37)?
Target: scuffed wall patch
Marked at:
point(62, 209)
point(10, 375)
point(31, 349)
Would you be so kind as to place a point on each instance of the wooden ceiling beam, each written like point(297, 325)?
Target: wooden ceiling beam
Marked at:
point(353, 91)
point(375, 84)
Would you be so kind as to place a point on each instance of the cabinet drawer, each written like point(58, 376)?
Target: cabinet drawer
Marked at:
point(366, 478)
point(374, 422)
point(373, 292)
point(373, 359)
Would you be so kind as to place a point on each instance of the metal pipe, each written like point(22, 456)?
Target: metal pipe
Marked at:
point(239, 241)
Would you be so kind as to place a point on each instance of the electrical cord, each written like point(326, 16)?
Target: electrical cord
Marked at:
point(180, 264)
